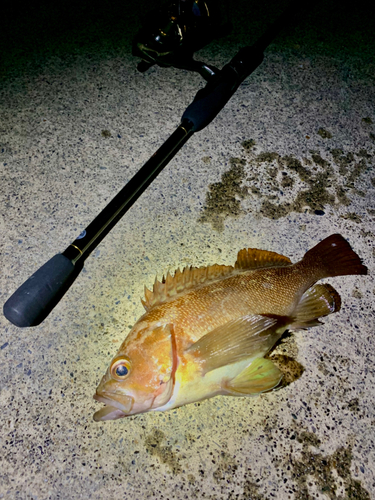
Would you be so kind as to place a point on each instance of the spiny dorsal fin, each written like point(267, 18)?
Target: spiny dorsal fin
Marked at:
point(252, 258)
point(182, 281)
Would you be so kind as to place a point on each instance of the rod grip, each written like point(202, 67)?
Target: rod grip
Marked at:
point(34, 300)
point(210, 100)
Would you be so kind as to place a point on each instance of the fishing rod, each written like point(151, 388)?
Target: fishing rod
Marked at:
point(32, 302)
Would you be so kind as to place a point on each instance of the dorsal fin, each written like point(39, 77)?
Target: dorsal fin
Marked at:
point(182, 281)
point(252, 258)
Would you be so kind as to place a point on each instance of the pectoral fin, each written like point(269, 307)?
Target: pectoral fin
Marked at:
point(261, 376)
point(319, 300)
point(245, 337)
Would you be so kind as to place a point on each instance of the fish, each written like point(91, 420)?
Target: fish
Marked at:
point(206, 331)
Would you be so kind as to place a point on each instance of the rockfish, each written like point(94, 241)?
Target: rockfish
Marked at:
point(206, 330)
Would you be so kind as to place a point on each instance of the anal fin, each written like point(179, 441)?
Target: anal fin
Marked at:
point(261, 376)
point(319, 300)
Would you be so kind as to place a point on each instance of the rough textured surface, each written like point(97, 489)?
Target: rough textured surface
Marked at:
point(289, 161)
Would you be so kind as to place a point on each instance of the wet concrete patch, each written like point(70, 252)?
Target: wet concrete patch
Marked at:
point(329, 475)
point(223, 198)
point(280, 185)
point(324, 133)
point(164, 453)
point(284, 356)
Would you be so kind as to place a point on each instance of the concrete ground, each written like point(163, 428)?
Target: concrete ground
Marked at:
point(289, 161)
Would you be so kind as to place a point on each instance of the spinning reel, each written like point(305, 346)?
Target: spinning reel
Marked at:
point(170, 35)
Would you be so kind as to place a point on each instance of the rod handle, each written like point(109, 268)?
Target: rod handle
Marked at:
point(31, 303)
point(210, 100)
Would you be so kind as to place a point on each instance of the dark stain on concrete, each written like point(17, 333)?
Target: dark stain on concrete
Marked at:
point(280, 185)
point(191, 478)
point(284, 355)
point(106, 133)
point(249, 145)
point(367, 120)
point(318, 180)
point(250, 491)
point(357, 294)
point(286, 181)
point(223, 198)
point(315, 467)
point(291, 369)
point(225, 468)
point(324, 133)
point(352, 216)
point(305, 467)
point(165, 454)
point(343, 161)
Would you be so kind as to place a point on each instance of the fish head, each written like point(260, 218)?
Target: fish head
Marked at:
point(140, 377)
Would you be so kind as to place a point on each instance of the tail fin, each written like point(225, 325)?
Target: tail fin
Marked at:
point(335, 257)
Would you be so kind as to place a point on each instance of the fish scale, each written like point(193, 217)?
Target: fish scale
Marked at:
point(238, 295)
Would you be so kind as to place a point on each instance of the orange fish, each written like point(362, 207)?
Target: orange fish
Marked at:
point(206, 330)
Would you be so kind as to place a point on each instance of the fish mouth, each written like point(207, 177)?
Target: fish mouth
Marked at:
point(113, 408)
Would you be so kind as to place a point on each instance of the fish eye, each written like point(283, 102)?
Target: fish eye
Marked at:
point(120, 368)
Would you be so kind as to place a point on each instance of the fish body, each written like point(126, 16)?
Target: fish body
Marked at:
point(206, 330)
